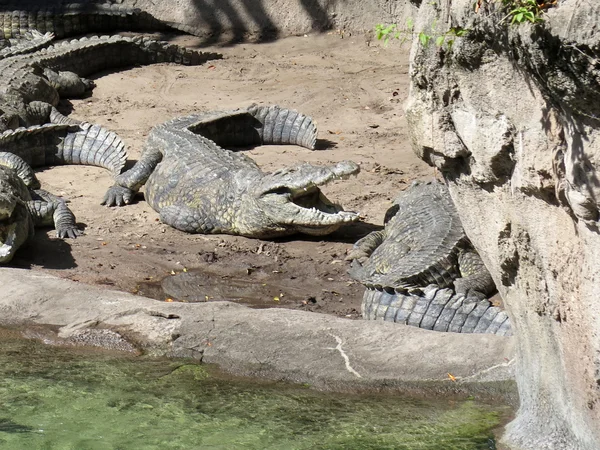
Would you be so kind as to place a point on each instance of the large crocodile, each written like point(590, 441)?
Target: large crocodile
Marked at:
point(57, 70)
point(422, 270)
point(199, 187)
point(66, 18)
point(23, 205)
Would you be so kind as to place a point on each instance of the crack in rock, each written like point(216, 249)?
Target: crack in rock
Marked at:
point(338, 347)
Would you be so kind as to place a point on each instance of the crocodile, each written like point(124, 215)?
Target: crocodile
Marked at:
point(199, 187)
point(422, 270)
point(24, 206)
point(65, 18)
point(49, 73)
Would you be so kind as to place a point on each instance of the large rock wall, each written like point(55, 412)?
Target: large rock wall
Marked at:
point(509, 115)
point(220, 20)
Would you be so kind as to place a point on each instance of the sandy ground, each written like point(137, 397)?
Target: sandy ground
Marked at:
point(354, 89)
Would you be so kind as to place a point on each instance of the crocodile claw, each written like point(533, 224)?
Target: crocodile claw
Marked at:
point(118, 196)
point(68, 231)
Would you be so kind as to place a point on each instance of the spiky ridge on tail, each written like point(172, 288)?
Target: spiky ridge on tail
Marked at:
point(86, 56)
point(31, 41)
point(52, 144)
point(436, 309)
point(74, 17)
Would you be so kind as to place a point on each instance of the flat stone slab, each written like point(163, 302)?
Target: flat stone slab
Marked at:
point(278, 344)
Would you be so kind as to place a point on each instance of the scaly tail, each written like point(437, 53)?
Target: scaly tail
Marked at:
point(257, 125)
point(23, 170)
point(74, 18)
point(437, 309)
point(52, 144)
point(86, 56)
point(284, 126)
point(31, 41)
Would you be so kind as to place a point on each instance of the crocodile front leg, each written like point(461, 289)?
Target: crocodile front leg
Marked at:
point(129, 183)
point(48, 209)
point(363, 248)
point(68, 84)
point(475, 278)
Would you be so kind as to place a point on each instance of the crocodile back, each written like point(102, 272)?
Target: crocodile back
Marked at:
point(422, 244)
point(71, 17)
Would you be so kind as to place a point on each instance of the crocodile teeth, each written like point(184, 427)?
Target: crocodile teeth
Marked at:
point(8, 246)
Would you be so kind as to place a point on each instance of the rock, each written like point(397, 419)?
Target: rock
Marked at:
point(509, 115)
point(324, 351)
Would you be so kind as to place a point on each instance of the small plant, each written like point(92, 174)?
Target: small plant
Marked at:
point(521, 11)
point(387, 32)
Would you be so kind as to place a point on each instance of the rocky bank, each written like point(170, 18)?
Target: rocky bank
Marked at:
point(509, 115)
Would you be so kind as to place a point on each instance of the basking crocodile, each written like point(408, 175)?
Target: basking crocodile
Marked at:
point(199, 187)
point(71, 17)
point(23, 206)
point(57, 70)
point(422, 270)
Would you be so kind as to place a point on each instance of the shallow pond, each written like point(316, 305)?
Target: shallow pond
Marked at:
point(55, 398)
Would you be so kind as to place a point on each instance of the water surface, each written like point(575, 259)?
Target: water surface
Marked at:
point(65, 399)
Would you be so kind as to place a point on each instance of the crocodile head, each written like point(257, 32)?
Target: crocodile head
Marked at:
point(16, 225)
point(289, 201)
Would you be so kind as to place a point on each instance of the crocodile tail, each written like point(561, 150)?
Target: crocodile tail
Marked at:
point(86, 56)
point(74, 18)
point(51, 144)
point(23, 170)
point(32, 41)
point(436, 309)
point(93, 145)
point(284, 126)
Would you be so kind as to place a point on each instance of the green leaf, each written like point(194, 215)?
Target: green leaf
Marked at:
point(440, 40)
point(409, 24)
point(424, 39)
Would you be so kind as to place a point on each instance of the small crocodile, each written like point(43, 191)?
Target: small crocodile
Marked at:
point(48, 73)
point(422, 270)
point(23, 206)
point(199, 187)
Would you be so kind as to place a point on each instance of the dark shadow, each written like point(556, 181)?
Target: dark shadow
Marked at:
point(46, 252)
point(348, 234)
point(324, 144)
point(8, 426)
point(320, 18)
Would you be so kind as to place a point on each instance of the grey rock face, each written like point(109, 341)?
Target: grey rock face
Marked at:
point(199, 187)
point(267, 343)
point(509, 115)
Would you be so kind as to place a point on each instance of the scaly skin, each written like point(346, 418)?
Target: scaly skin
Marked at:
point(57, 71)
point(422, 270)
point(199, 187)
point(68, 18)
point(22, 207)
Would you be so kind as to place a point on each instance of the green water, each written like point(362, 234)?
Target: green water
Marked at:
point(57, 399)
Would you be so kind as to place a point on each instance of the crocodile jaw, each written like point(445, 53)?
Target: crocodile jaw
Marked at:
point(292, 200)
point(8, 242)
point(15, 226)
